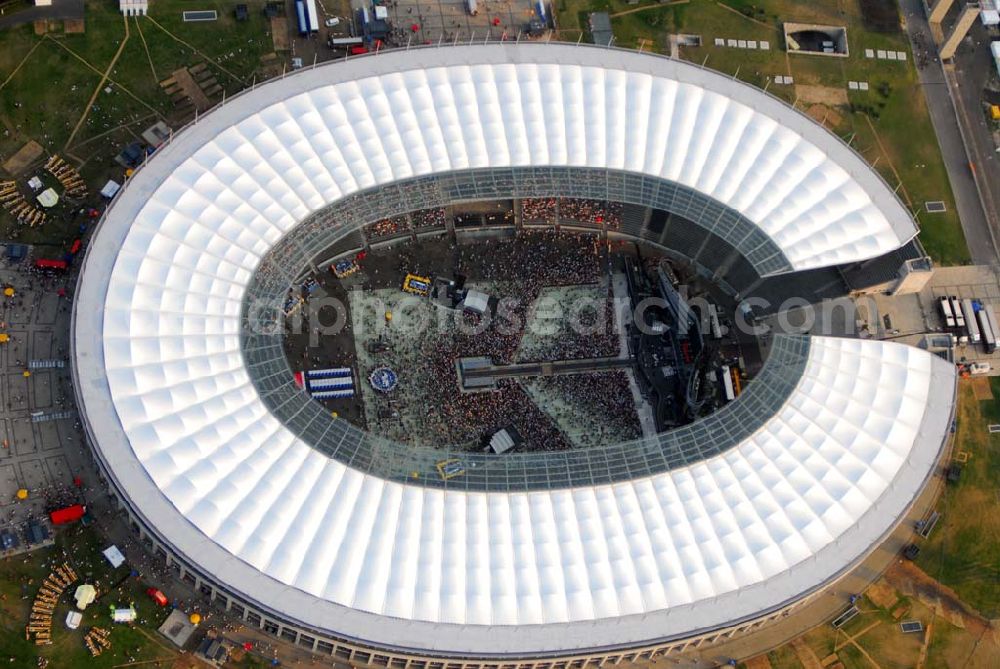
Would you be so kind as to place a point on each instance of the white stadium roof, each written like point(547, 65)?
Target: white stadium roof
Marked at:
point(180, 426)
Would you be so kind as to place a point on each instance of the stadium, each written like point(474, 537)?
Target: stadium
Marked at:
point(361, 547)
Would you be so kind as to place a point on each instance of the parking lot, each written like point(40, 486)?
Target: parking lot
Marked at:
point(444, 20)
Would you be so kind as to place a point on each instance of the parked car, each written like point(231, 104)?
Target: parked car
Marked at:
point(332, 21)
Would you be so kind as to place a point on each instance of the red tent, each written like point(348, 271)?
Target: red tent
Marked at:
point(415, 27)
point(157, 596)
point(68, 514)
point(76, 246)
point(46, 263)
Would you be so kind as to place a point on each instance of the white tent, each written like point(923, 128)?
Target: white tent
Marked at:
point(123, 615)
point(114, 556)
point(110, 189)
point(501, 442)
point(133, 7)
point(476, 301)
point(48, 198)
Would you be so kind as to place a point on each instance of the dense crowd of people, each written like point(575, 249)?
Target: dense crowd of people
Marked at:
point(387, 227)
point(515, 270)
point(520, 268)
point(399, 225)
point(469, 419)
point(585, 328)
point(539, 209)
point(605, 394)
point(429, 218)
point(593, 212)
point(568, 209)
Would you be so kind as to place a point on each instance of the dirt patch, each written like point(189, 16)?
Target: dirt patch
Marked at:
point(25, 156)
point(74, 27)
point(882, 595)
point(824, 95)
point(189, 661)
point(279, 33)
point(880, 16)
point(910, 580)
point(825, 116)
point(806, 654)
point(759, 662)
point(981, 388)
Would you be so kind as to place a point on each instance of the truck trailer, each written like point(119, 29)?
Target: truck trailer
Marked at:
point(312, 16)
point(987, 310)
point(986, 329)
point(949, 317)
point(956, 309)
point(970, 321)
point(300, 17)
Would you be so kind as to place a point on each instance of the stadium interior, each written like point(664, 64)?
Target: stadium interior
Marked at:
point(553, 359)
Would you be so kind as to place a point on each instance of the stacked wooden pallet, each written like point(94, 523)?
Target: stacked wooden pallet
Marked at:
point(97, 640)
point(12, 200)
point(40, 622)
point(67, 176)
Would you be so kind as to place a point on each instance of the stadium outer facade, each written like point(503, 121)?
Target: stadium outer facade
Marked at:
point(310, 529)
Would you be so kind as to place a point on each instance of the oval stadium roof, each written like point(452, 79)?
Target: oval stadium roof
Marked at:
point(178, 423)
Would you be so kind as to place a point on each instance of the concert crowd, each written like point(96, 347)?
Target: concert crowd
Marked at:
point(589, 212)
point(520, 268)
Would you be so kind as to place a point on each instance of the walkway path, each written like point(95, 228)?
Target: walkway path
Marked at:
point(100, 85)
point(552, 368)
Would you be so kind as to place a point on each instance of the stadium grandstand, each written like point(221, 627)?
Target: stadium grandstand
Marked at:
point(373, 552)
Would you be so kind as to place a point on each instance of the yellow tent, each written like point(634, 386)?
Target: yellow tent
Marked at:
point(4, 337)
point(8, 291)
point(195, 618)
point(22, 494)
point(84, 595)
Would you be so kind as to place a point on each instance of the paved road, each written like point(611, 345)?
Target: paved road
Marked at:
point(979, 233)
point(972, 69)
point(57, 11)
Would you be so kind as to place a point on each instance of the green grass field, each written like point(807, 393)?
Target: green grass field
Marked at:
point(21, 577)
point(140, 643)
point(963, 552)
point(49, 81)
